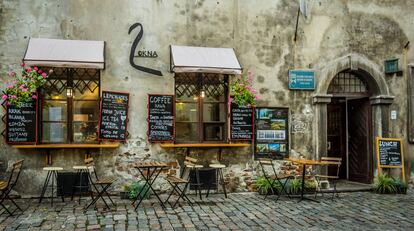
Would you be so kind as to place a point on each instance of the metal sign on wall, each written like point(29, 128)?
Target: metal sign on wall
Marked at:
point(302, 79)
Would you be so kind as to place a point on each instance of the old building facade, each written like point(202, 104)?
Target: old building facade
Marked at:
point(344, 42)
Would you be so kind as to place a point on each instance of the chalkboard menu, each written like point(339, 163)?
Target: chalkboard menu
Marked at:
point(390, 152)
point(272, 136)
point(21, 126)
point(161, 118)
point(241, 127)
point(114, 116)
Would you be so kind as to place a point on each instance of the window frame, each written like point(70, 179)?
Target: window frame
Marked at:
point(68, 74)
point(200, 84)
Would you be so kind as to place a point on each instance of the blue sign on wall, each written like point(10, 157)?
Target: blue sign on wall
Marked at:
point(302, 79)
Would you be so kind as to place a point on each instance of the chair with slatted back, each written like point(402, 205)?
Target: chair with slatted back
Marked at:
point(7, 186)
point(333, 162)
point(175, 183)
point(100, 185)
point(274, 177)
point(191, 164)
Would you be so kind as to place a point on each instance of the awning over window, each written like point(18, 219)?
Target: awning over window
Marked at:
point(204, 59)
point(65, 53)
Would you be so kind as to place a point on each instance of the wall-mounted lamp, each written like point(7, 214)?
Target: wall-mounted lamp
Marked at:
point(203, 94)
point(69, 92)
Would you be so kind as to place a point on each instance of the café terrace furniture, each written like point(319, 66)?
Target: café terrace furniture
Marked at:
point(274, 178)
point(305, 163)
point(100, 185)
point(336, 163)
point(219, 178)
point(191, 164)
point(149, 170)
point(82, 173)
point(7, 186)
point(52, 173)
point(175, 183)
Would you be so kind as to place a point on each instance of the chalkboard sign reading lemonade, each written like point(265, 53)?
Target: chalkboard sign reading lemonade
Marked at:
point(114, 116)
point(21, 126)
point(161, 118)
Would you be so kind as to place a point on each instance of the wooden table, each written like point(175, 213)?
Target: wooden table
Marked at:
point(149, 170)
point(305, 162)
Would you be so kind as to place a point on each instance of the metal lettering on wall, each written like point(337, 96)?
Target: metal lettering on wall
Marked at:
point(146, 54)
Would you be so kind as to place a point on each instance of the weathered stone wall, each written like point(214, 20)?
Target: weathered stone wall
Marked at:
point(261, 32)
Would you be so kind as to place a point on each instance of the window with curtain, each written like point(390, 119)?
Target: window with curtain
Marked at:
point(70, 106)
point(201, 107)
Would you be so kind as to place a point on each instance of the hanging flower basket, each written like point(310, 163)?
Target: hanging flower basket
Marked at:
point(24, 84)
point(242, 93)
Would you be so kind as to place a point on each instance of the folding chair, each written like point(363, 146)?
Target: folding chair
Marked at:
point(6, 187)
point(175, 183)
point(191, 163)
point(330, 161)
point(103, 183)
point(271, 179)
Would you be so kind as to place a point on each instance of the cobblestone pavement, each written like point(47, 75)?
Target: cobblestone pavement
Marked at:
point(241, 211)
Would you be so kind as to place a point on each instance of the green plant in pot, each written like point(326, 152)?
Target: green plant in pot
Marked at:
point(135, 188)
point(295, 186)
point(385, 184)
point(265, 187)
point(401, 186)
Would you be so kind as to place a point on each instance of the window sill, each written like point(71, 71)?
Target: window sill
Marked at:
point(46, 146)
point(204, 145)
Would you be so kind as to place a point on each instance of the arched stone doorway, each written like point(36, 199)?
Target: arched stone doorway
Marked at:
point(351, 103)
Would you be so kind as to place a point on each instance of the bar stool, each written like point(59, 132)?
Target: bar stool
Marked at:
point(219, 177)
point(81, 170)
point(51, 173)
point(191, 164)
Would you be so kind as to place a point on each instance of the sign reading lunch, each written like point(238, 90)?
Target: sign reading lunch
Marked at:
point(241, 127)
point(21, 123)
point(390, 152)
point(114, 116)
point(161, 118)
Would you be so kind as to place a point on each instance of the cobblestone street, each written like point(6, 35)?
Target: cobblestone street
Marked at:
point(241, 211)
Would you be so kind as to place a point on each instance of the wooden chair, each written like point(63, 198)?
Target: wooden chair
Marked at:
point(175, 183)
point(103, 183)
point(274, 177)
point(7, 186)
point(330, 161)
point(191, 164)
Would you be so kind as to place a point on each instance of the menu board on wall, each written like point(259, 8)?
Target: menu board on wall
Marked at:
point(21, 124)
point(242, 122)
point(114, 116)
point(272, 137)
point(390, 152)
point(161, 118)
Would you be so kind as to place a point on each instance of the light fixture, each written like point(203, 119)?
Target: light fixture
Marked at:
point(69, 92)
point(203, 94)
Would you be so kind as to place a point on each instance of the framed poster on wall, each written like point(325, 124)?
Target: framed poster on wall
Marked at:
point(271, 133)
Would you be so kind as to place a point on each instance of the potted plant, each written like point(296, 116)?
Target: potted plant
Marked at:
point(385, 184)
point(264, 187)
point(24, 84)
point(401, 186)
point(295, 186)
point(242, 93)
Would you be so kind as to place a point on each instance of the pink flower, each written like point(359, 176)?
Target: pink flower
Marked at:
point(257, 97)
point(22, 65)
point(34, 96)
point(4, 97)
point(28, 69)
point(35, 68)
point(44, 75)
point(14, 82)
point(10, 87)
point(11, 73)
point(14, 96)
point(39, 71)
point(24, 90)
point(8, 103)
point(22, 86)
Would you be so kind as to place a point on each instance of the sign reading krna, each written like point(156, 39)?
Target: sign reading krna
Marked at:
point(302, 79)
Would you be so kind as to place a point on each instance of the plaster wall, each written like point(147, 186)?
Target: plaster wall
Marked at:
point(261, 32)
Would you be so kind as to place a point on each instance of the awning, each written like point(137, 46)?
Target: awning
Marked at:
point(65, 53)
point(204, 59)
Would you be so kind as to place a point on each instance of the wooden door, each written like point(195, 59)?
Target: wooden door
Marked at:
point(359, 140)
point(337, 135)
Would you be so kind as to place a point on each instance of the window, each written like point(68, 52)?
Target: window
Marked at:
point(70, 106)
point(201, 107)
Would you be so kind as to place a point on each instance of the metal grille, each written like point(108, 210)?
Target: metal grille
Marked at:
point(347, 82)
point(190, 84)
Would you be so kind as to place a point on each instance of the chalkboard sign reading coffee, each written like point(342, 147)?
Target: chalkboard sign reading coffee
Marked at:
point(114, 116)
point(390, 154)
point(161, 118)
point(241, 127)
point(21, 126)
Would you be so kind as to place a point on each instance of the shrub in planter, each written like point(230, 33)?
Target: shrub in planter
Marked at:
point(295, 186)
point(264, 187)
point(385, 184)
point(133, 190)
point(400, 186)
